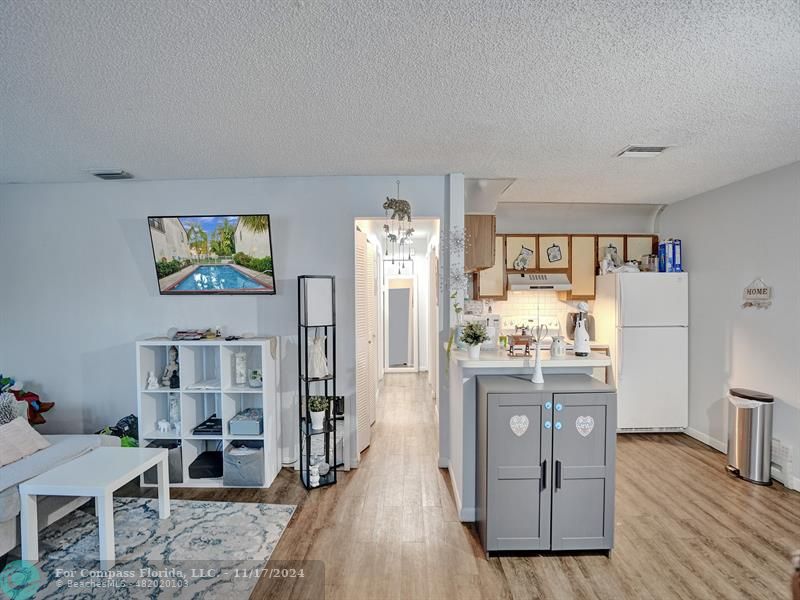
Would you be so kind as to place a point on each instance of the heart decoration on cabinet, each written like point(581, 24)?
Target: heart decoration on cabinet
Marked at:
point(519, 424)
point(584, 425)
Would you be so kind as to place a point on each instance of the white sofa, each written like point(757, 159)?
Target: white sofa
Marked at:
point(62, 449)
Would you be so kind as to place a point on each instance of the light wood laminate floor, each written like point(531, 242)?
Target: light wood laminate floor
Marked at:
point(389, 529)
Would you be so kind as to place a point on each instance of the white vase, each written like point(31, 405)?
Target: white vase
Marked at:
point(474, 352)
point(317, 419)
point(240, 368)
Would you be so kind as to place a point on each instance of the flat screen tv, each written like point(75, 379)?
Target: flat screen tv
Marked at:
point(213, 254)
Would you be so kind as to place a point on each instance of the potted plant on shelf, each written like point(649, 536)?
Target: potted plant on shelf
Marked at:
point(473, 335)
point(317, 405)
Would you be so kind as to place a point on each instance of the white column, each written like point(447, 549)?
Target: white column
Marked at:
point(452, 261)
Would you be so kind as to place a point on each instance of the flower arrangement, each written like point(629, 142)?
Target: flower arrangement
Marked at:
point(474, 333)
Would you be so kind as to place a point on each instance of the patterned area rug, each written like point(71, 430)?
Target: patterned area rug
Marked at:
point(204, 549)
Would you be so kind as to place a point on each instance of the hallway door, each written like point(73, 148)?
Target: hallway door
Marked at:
point(363, 286)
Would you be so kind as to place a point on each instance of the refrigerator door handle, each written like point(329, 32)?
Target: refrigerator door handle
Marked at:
point(619, 354)
point(558, 474)
point(544, 474)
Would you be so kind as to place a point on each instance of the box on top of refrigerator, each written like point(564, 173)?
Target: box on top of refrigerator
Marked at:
point(669, 256)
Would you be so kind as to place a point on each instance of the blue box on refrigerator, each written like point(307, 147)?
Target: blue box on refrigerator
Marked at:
point(662, 257)
point(677, 261)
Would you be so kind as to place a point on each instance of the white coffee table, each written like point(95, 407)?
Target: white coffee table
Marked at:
point(98, 473)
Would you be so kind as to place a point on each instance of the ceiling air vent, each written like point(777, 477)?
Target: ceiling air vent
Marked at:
point(642, 151)
point(113, 175)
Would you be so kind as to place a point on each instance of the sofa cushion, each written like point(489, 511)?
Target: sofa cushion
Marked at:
point(18, 440)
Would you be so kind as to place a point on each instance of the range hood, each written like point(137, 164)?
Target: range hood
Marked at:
point(539, 281)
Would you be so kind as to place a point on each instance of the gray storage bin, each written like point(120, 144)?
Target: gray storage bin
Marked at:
point(250, 421)
point(174, 459)
point(244, 470)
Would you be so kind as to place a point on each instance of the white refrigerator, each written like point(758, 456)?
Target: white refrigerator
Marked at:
point(644, 318)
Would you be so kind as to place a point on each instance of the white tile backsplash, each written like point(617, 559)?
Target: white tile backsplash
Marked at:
point(522, 306)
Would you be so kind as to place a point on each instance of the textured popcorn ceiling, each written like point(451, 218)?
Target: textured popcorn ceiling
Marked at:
point(542, 91)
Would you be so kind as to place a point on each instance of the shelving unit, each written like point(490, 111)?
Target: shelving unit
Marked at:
point(209, 363)
point(316, 310)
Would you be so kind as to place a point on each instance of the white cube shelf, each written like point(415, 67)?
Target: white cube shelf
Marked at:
point(208, 386)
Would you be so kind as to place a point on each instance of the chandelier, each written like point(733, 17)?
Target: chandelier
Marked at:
point(397, 230)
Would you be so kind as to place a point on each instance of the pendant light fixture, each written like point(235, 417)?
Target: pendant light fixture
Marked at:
point(398, 232)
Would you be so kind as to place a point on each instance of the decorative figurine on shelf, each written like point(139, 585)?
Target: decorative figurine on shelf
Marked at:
point(255, 380)
point(240, 368)
point(313, 475)
point(318, 362)
point(163, 426)
point(152, 382)
point(172, 367)
point(174, 381)
point(174, 407)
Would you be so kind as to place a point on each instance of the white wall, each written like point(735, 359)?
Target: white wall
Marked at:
point(575, 218)
point(81, 286)
point(731, 236)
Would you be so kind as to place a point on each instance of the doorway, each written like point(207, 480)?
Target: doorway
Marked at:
point(401, 325)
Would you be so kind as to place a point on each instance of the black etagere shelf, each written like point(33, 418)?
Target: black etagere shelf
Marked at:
point(316, 316)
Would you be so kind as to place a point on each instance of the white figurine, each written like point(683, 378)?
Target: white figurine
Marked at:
point(313, 478)
point(163, 426)
point(152, 382)
point(318, 367)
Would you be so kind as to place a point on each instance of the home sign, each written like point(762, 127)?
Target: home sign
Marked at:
point(757, 295)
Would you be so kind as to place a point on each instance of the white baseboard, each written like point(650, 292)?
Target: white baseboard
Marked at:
point(795, 484)
point(716, 444)
point(464, 514)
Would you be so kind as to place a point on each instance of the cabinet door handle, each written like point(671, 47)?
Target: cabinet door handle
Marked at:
point(558, 474)
point(544, 474)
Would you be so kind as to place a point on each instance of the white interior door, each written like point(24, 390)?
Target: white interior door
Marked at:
point(652, 377)
point(362, 346)
point(372, 332)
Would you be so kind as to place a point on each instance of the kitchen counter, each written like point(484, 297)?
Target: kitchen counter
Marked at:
point(501, 359)
point(458, 415)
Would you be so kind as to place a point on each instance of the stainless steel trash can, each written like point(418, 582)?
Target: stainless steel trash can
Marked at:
point(750, 435)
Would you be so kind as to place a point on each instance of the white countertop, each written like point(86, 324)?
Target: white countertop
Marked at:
point(501, 359)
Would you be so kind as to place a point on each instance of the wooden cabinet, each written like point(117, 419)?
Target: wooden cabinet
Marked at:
point(553, 252)
point(583, 263)
point(638, 245)
point(521, 253)
point(490, 284)
point(479, 253)
point(604, 241)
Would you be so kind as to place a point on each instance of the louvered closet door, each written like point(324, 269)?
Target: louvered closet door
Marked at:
point(372, 333)
point(362, 337)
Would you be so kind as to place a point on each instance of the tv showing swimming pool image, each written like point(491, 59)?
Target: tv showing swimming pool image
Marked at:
point(213, 254)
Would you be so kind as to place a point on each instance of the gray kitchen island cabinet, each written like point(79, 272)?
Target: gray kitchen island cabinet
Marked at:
point(545, 469)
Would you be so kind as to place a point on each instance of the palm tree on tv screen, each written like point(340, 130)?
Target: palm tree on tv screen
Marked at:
point(198, 238)
point(255, 223)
